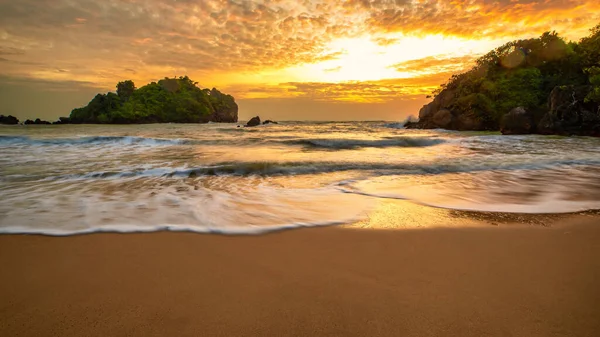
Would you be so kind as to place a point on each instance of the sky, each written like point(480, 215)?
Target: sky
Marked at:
point(280, 59)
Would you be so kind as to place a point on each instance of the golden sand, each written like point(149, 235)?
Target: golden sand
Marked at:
point(480, 280)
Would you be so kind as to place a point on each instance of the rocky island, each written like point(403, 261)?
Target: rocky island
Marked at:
point(543, 85)
point(9, 120)
point(170, 100)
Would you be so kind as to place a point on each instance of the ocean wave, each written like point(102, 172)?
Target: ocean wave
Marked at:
point(227, 169)
point(244, 210)
point(318, 143)
point(121, 140)
point(341, 144)
point(304, 168)
point(398, 125)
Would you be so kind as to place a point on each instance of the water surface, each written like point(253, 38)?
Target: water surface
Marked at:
point(221, 178)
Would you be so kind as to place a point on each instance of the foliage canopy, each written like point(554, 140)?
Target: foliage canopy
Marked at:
point(523, 73)
point(170, 100)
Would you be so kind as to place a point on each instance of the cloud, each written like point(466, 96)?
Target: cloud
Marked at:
point(221, 36)
point(436, 64)
point(233, 42)
point(177, 36)
point(385, 41)
point(333, 70)
point(350, 91)
point(478, 19)
point(47, 85)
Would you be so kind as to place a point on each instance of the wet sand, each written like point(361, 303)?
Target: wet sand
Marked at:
point(480, 280)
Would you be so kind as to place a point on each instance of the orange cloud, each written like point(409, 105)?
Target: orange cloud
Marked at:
point(250, 46)
point(477, 18)
point(436, 64)
point(350, 91)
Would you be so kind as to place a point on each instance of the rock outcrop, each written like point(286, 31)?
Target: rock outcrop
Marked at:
point(224, 108)
point(10, 120)
point(442, 118)
point(517, 122)
point(435, 114)
point(254, 121)
point(62, 120)
point(37, 121)
point(268, 121)
point(569, 114)
point(440, 114)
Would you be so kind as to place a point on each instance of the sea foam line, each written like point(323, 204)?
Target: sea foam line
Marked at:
point(125, 229)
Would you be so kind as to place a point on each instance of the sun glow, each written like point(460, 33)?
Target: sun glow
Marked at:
point(411, 65)
point(364, 59)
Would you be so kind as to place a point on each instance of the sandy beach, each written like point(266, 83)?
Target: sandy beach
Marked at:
point(480, 280)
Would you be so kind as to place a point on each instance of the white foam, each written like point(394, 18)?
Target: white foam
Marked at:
point(230, 230)
point(246, 208)
point(440, 194)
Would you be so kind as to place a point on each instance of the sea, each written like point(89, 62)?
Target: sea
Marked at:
point(221, 178)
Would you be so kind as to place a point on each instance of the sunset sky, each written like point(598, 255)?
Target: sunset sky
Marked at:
point(281, 59)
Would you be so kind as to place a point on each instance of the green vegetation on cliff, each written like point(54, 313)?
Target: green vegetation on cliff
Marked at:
point(170, 100)
point(523, 74)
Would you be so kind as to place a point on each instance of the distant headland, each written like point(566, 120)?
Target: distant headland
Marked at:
point(543, 85)
point(170, 100)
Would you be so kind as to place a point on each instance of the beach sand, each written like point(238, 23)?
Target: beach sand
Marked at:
point(474, 275)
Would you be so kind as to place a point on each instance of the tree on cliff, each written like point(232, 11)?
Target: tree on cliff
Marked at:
point(589, 49)
point(170, 100)
point(125, 89)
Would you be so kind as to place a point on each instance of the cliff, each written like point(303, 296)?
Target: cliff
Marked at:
point(543, 85)
point(568, 113)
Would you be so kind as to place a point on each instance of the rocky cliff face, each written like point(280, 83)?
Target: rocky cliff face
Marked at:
point(224, 109)
point(568, 114)
point(518, 121)
point(439, 114)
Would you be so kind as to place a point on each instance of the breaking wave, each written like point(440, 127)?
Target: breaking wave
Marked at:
point(341, 144)
point(305, 168)
point(323, 143)
point(120, 140)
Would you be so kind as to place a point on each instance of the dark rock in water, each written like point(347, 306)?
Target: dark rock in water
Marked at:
point(517, 122)
point(10, 120)
point(254, 121)
point(63, 120)
point(36, 122)
point(430, 116)
point(268, 121)
point(411, 125)
point(569, 114)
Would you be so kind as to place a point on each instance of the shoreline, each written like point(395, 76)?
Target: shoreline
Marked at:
point(465, 277)
point(388, 214)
